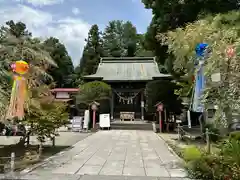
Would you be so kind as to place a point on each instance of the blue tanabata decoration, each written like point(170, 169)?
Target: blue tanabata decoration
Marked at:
point(201, 49)
point(201, 53)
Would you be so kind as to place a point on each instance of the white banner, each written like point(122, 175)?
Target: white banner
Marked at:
point(86, 119)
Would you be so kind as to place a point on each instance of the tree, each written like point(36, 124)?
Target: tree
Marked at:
point(92, 52)
point(169, 15)
point(45, 120)
point(220, 32)
point(155, 93)
point(18, 29)
point(16, 46)
point(64, 70)
point(120, 39)
point(141, 50)
point(17, 43)
point(93, 91)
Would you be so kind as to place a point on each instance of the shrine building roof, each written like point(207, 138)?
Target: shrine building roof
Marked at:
point(127, 69)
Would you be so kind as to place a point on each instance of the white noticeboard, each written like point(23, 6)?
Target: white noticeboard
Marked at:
point(77, 123)
point(86, 119)
point(104, 121)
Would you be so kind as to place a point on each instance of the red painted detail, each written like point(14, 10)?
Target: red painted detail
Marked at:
point(230, 52)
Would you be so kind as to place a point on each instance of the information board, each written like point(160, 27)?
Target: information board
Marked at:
point(77, 123)
point(104, 121)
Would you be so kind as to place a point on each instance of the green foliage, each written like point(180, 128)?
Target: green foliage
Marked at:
point(47, 119)
point(220, 32)
point(185, 89)
point(234, 136)
point(43, 115)
point(120, 39)
point(162, 91)
point(17, 43)
point(62, 74)
point(91, 53)
point(93, 91)
point(191, 153)
point(225, 164)
point(169, 15)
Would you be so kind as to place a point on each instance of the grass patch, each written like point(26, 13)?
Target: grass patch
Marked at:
point(25, 156)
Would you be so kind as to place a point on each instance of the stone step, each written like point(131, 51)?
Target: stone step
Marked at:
point(134, 125)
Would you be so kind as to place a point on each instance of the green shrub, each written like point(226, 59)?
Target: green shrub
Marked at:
point(191, 153)
point(204, 167)
point(219, 166)
point(234, 135)
point(214, 133)
point(231, 151)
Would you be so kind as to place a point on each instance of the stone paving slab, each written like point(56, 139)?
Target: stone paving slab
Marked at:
point(117, 152)
point(94, 177)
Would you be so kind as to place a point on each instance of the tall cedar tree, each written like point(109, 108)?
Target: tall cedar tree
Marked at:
point(63, 72)
point(91, 53)
point(120, 39)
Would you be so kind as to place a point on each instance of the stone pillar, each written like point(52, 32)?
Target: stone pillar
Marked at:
point(112, 105)
point(142, 105)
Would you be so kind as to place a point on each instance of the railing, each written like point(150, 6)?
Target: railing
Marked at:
point(205, 135)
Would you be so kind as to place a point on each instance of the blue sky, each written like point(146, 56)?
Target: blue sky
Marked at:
point(70, 20)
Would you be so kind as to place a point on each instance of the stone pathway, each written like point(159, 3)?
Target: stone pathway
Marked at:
point(113, 155)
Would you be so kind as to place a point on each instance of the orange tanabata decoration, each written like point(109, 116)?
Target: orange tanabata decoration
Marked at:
point(18, 95)
point(20, 67)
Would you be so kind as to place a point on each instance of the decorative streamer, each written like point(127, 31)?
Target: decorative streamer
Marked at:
point(202, 51)
point(18, 94)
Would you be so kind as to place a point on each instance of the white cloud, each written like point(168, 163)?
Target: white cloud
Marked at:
point(75, 11)
point(41, 2)
point(70, 31)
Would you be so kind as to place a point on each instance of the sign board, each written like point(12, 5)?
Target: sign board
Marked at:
point(62, 95)
point(142, 103)
point(216, 77)
point(104, 121)
point(77, 123)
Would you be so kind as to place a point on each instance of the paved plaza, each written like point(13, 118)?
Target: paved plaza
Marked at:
point(113, 155)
